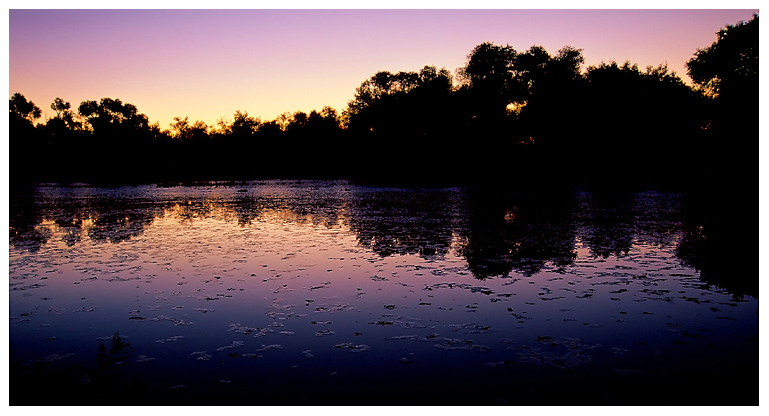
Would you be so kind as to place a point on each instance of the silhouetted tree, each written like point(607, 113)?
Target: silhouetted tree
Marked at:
point(65, 139)
point(118, 136)
point(64, 114)
point(727, 70)
point(641, 126)
point(297, 124)
point(550, 109)
point(521, 110)
point(182, 130)
point(243, 125)
point(111, 116)
point(21, 108)
point(60, 106)
point(408, 118)
point(729, 67)
point(236, 146)
point(317, 147)
point(488, 88)
point(65, 119)
point(490, 74)
point(25, 143)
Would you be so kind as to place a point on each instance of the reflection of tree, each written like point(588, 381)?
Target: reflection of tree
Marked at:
point(75, 212)
point(497, 234)
point(108, 215)
point(607, 223)
point(119, 226)
point(403, 222)
point(318, 203)
point(611, 223)
point(521, 233)
point(23, 217)
point(719, 242)
point(110, 218)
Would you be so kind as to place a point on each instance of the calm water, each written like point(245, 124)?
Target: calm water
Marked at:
point(327, 293)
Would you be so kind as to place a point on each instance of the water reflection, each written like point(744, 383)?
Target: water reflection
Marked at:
point(609, 224)
point(329, 293)
point(524, 233)
point(102, 215)
point(495, 233)
point(718, 242)
point(399, 222)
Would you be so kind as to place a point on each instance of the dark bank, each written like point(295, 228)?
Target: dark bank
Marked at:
point(526, 118)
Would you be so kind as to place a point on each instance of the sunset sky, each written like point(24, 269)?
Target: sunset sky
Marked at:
point(206, 64)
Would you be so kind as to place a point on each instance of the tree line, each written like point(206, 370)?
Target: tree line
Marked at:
point(509, 116)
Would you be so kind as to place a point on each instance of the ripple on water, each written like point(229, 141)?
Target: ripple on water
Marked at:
point(170, 339)
point(201, 355)
point(233, 344)
point(352, 347)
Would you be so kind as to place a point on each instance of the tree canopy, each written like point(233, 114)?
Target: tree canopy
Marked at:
point(729, 66)
point(23, 109)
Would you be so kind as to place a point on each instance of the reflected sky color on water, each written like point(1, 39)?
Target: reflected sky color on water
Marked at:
point(329, 293)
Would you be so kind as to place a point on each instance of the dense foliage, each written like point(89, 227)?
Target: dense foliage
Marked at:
point(523, 117)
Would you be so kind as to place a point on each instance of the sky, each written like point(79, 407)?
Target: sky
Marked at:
point(207, 64)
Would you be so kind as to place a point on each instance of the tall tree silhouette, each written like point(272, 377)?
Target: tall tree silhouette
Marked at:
point(119, 137)
point(488, 87)
point(489, 73)
point(408, 117)
point(643, 125)
point(111, 116)
point(727, 70)
point(65, 120)
point(66, 137)
point(551, 85)
point(21, 108)
point(24, 141)
point(521, 110)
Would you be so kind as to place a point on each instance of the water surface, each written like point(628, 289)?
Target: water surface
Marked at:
point(318, 292)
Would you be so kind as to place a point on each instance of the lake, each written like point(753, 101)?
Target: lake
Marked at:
point(328, 293)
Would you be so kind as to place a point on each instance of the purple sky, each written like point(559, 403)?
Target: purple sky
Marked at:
point(206, 64)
